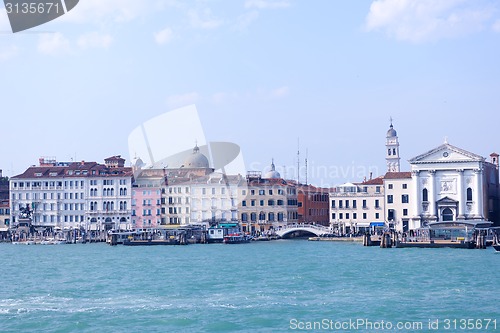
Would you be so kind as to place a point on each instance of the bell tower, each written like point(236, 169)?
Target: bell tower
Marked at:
point(392, 150)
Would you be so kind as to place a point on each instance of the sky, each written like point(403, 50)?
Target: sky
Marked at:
point(269, 75)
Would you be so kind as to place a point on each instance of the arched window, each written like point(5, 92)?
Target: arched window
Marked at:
point(121, 205)
point(112, 192)
point(425, 196)
point(121, 191)
point(271, 217)
point(244, 217)
point(112, 205)
point(469, 194)
point(124, 205)
point(262, 216)
point(253, 217)
point(124, 191)
point(91, 206)
point(447, 215)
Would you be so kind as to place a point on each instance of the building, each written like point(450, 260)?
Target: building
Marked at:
point(397, 205)
point(392, 146)
point(356, 207)
point(84, 196)
point(450, 183)
point(266, 202)
point(313, 204)
point(147, 196)
point(4, 219)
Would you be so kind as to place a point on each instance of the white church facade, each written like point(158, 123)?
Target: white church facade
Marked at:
point(449, 184)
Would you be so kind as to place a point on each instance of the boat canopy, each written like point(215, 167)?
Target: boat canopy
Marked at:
point(377, 224)
point(477, 224)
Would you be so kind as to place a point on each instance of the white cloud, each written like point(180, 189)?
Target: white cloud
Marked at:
point(496, 26)
point(243, 21)
point(203, 19)
point(264, 4)
point(94, 40)
point(8, 53)
point(423, 20)
point(175, 101)
point(53, 44)
point(280, 92)
point(164, 36)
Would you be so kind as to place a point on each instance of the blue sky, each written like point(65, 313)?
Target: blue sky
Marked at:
point(262, 73)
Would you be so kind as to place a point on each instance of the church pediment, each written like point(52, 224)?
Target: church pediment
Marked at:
point(446, 153)
point(446, 200)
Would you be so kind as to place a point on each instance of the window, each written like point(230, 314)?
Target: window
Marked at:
point(280, 202)
point(213, 190)
point(333, 203)
point(377, 189)
point(389, 186)
point(347, 204)
point(340, 203)
point(364, 216)
point(393, 151)
point(203, 191)
point(270, 202)
point(405, 212)
point(262, 202)
point(364, 203)
point(244, 217)
point(354, 205)
point(390, 198)
point(377, 215)
point(262, 216)
point(333, 216)
point(252, 203)
point(347, 216)
point(354, 216)
point(252, 192)
point(390, 214)
point(405, 198)
point(244, 203)
point(262, 192)
point(425, 195)
point(253, 217)
point(341, 216)
point(377, 204)
point(270, 192)
point(405, 186)
point(447, 214)
point(469, 194)
point(389, 151)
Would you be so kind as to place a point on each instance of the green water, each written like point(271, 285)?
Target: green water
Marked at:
point(289, 285)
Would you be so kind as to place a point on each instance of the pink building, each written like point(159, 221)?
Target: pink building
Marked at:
point(147, 198)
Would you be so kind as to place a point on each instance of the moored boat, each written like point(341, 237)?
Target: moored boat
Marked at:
point(236, 238)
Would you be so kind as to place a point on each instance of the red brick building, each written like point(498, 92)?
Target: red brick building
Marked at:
point(313, 204)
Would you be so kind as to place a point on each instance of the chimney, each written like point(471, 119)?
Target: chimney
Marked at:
point(371, 174)
point(1, 173)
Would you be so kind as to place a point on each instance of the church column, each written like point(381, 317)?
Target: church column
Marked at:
point(461, 193)
point(478, 191)
point(432, 195)
point(416, 201)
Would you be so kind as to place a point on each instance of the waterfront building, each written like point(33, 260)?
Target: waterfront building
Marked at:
point(74, 195)
point(267, 202)
point(397, 205)
point(146, 201)
point(313, 204)
point(4, 219)
point(354, 207)
point(450, 183)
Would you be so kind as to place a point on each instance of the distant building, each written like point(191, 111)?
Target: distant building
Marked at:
point(355, 207)
point(4, 218)
point(392, 145)
point(313, 205)
point(74, 195)
point(398, 190)
point(267, 202)
point(450, 183)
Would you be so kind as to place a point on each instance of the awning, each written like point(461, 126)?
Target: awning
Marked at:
point(377, 224)
point(363, 224)
point(4, 229)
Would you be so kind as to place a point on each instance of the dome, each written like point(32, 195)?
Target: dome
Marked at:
point(272, 174)
point(196, 160)
point(391, 132)
point(137, 163)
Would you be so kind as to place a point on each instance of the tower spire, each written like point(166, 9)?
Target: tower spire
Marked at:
point(392, 146)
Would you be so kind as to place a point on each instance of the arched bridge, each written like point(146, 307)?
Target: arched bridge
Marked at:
point(317, 230)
